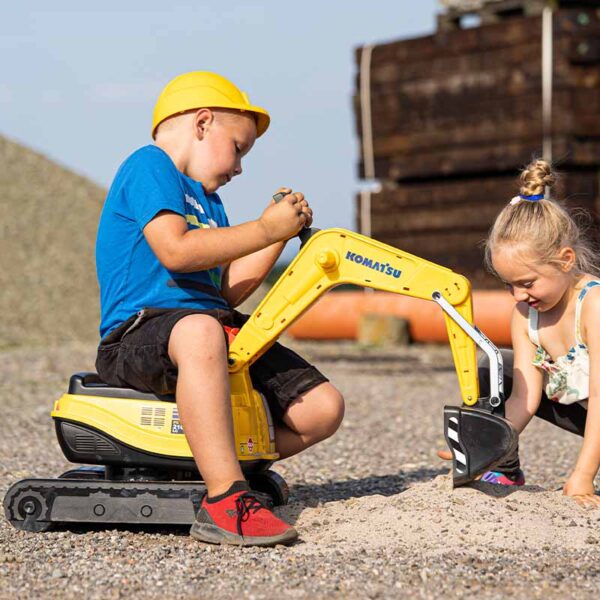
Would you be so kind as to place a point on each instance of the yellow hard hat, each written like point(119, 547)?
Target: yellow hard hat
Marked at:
point(202, 89)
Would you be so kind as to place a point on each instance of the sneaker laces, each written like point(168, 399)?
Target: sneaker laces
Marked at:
point(247, 504)
point(265, 498)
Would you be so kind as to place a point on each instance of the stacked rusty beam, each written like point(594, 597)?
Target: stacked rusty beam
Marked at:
point(455, 115)
point(446, 221)
point(494, 11)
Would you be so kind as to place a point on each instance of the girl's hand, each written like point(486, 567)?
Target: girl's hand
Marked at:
point(580, 487)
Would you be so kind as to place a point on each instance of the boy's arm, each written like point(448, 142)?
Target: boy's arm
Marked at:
point(184, 250)
point(581, 480)
point(245, 274)
point(528, 380)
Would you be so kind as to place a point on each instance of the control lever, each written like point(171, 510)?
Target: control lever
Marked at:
point(306, 232)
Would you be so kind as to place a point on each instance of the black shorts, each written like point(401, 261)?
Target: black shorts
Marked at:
point(136, 355)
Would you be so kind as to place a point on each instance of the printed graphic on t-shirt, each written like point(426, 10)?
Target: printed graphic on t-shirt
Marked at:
point(193, 219)
point(197, 220)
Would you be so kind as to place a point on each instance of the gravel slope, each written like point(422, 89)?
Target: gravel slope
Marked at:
point(374, 506)
point(48, 221)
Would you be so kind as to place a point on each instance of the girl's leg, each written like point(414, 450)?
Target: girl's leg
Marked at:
point(570, 417)
point(511, 466)
point(310, 418)
point(197, 348)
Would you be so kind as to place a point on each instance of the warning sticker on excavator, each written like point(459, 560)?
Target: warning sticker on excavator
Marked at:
point(175, 422)
point(250, 445)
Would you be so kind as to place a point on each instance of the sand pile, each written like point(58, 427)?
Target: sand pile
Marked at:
point(430, 516)
point(48, 222)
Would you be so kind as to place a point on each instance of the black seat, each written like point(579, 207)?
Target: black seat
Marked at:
point(90, 384)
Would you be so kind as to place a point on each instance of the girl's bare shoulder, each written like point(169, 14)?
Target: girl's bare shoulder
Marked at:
point(520, 315)
point(590, 315)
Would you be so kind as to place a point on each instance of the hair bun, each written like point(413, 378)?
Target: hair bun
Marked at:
point(536, 177)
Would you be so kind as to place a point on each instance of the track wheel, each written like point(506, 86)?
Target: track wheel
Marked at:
point(270, 483)
point(29, 506)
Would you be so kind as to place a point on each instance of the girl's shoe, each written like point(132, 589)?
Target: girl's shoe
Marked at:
point(498, 478)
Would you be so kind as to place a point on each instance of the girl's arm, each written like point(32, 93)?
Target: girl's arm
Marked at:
point(528, 380)
point(581, 482)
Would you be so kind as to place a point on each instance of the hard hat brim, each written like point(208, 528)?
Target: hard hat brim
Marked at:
point(263, 120)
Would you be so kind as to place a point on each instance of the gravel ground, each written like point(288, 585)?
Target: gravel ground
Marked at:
point(374, 506)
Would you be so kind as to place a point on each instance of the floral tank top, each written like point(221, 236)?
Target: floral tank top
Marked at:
point(566, 380)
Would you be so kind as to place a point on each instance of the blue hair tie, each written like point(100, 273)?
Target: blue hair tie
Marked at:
point(520, 197)
point(532, 198)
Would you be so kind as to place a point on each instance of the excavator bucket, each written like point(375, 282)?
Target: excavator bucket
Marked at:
point(478, 440)
point(477, 433)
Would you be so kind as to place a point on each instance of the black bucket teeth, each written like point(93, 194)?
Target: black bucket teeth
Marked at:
point(478, 440)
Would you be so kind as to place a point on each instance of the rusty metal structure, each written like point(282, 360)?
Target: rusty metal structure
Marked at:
point(446, 122)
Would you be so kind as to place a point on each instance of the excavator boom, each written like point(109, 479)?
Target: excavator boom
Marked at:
point(336, 256)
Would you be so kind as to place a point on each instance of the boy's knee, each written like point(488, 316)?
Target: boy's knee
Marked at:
point(197, 333)
point(331, 408)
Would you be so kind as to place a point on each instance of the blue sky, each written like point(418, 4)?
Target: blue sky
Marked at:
point(79, 81)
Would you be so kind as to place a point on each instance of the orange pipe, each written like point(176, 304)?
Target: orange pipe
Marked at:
point(337, 314)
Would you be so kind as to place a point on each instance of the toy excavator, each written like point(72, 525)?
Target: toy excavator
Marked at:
point(144, 471)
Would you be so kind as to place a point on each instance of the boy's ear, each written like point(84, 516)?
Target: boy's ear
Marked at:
point(567, 258)
point(203, 120)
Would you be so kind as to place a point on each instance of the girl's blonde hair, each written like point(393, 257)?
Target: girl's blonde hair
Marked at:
point(543, 226)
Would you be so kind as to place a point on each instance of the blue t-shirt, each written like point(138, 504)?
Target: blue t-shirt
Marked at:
point(129, 273)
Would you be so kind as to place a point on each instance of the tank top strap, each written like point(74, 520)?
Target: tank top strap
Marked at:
point(532, 326)
point(582, 294)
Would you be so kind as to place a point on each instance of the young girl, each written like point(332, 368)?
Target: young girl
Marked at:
point(539, 252)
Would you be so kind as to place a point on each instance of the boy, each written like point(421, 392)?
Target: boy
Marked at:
point(171, 269)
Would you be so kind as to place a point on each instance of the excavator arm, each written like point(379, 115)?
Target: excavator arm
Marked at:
point(477, 434)
point(336, 256)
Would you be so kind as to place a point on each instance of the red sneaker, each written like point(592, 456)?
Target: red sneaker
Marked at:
point(240, 518)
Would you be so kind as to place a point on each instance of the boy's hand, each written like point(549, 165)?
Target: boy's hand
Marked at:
point(580, 486)
point(284, 219)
